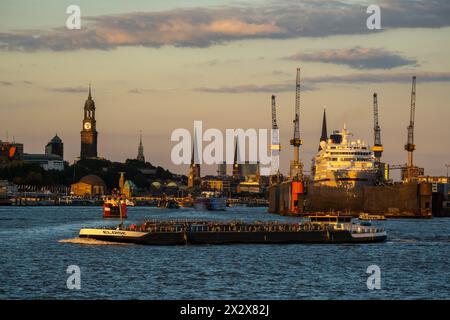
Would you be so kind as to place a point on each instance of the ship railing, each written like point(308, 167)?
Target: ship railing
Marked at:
point(362, 229)
point(206, 226)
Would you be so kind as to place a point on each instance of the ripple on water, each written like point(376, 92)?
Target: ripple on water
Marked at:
point(88, 241)
point(38, 244)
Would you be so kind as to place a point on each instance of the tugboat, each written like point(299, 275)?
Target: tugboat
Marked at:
point(210, 201)
point(114, 207)
point(168, 204)
point(319, 229)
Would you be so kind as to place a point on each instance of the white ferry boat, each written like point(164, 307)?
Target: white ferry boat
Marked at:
point(342, 162)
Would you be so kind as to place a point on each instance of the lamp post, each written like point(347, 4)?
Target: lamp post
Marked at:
point(447, 166)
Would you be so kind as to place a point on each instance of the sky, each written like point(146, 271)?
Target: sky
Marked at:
point(157, 66)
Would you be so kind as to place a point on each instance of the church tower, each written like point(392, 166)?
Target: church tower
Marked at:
point(140, 156)
point(89, 132)
point(324, 136)
point(237, 167)
point(194, 178)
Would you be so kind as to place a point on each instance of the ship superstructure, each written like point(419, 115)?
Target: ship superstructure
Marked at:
point(342, 162)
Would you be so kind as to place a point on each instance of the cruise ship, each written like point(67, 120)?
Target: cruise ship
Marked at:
point(342, 162)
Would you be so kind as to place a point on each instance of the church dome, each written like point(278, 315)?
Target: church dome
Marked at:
point(156, 185)
point(172, 185)
point(129, 185)
point(93, 180)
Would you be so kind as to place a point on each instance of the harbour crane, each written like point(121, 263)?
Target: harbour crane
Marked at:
point(275, 146)
point(411, 172)
point(410, 146)
point(377, 146)
point(274, 113)
point(296, 169)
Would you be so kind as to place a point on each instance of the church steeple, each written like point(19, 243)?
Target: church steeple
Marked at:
point(89, 131)
point(324, 136)
point(140, 156)
point(194, 169)
point(236, 164)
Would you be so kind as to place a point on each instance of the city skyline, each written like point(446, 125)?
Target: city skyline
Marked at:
point(211, 60)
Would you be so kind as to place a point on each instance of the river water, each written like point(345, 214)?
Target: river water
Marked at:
point(37, 244)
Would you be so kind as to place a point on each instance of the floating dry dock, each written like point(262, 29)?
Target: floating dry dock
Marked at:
point(319, 229)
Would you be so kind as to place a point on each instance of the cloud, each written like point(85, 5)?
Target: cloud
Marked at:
point(251, 88)
point(78, 89)
point(310, 83)
point(135, 91)
point(142, 91)
point(9, 83)
point(358, 58)
point(281, 73)
point(402, 77)
point(203, 27)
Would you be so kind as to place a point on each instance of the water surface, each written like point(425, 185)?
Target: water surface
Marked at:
point(414, 262)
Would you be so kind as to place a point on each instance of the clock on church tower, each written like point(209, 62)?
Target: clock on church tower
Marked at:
point(89, 132)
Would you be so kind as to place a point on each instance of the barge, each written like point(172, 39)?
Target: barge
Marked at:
point(318, 229)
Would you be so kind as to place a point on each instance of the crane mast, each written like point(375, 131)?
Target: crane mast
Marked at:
point(410, 146)
point(411, 172)
point(377, 146)
point(296, 171)
point(274, 113)
point(275, 146)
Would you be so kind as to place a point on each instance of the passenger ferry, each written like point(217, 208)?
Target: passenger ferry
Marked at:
point(341, 162)
point(319, 229)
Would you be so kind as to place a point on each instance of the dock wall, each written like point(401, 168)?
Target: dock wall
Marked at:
point(409, 199)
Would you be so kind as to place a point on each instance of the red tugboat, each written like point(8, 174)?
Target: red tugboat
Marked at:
point(114, 207)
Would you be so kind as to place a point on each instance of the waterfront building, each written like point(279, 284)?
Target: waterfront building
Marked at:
point(250, 171)
point(212, 184)
point(89, 132)
point(10, 151)
point(248, 187)
point(55, 147)
point(121, 181)
point(222, 169)
point(7, 188)
point(46, 161)
point(89, 186)
point(129, 189)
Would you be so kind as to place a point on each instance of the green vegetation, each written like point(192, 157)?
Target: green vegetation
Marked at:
point(142, 174)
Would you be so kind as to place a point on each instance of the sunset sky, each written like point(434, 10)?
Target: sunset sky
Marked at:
point(159, 65)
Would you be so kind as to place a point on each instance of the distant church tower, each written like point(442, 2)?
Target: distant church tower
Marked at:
point(237, 167)
point(89, 132)
point(140, 156)
point(324, 135)
point(194, 178)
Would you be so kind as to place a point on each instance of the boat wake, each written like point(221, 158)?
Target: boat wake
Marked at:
point(87, 241)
